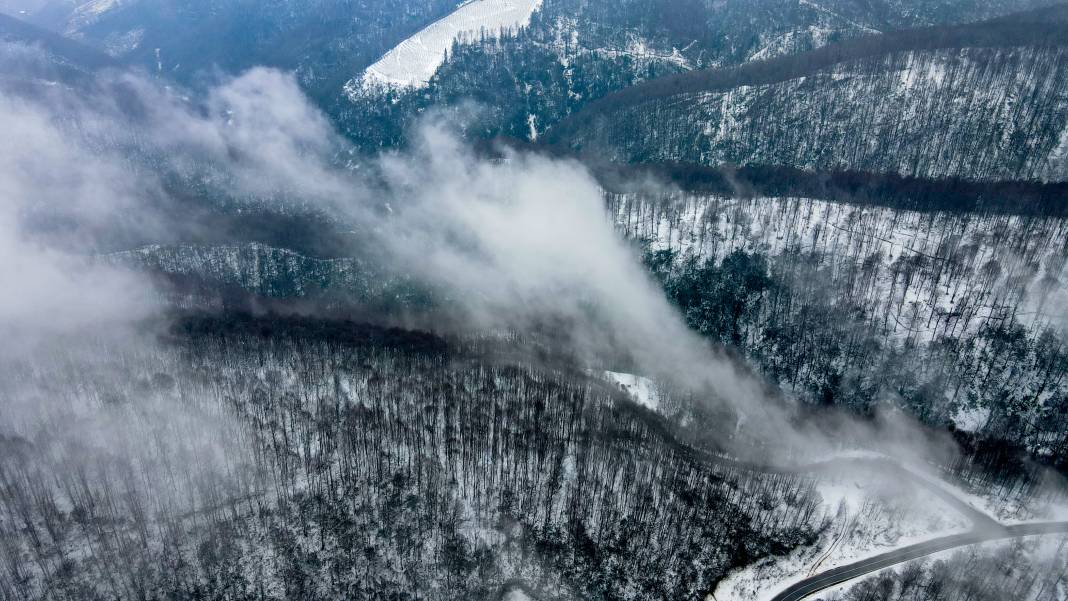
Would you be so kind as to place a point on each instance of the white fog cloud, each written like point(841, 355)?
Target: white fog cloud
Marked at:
point(516, 242)
point(46, 176)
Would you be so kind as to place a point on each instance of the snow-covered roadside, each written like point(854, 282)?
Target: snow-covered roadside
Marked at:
point(415, 60)
point(869, 517)
point(1006, 511)
point(1034, 549)
point(870, 511)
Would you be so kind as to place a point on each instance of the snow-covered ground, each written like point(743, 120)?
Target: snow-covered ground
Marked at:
point(641, 389)
point(1007, 510)
point(1038, 554)
point(517, 595)
point(917, 276)
point(868, 516)
point(413, 62)
point(86, 13)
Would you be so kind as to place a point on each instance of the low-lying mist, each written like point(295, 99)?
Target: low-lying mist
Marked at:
point(513, 243)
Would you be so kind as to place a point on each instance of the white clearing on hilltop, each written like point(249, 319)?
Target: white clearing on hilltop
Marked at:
point(640, 388)
point(413, 62)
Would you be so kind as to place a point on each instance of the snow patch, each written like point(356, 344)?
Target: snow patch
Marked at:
point(122, 43)
point(87, 13)
point(837, 16)
point(1058, 159)
point(641, 389)
point(793, 42)
point(971, 419)
point(415, 60)
point(98, 7)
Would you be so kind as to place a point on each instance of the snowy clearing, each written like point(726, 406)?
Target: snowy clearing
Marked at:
point(415, 60)
point(640, 388)
point(517, 595)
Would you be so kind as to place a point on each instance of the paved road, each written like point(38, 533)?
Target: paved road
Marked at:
point(984, 529)
point(839, 575)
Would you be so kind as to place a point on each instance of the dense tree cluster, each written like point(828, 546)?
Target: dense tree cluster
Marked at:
point(975, 113)
point(259, 459)
point(951, 317)
point(579, 64)
point(1032, 28)
point(861, 188)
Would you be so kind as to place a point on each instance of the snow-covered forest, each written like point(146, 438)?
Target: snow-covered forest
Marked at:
point(533, 300)
point(954, 317)
point(283, 458)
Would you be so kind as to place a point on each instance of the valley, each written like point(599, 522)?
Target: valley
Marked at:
point(533, 300)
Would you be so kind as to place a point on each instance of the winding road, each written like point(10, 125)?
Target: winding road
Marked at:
point(825, 580)
point(984, 528)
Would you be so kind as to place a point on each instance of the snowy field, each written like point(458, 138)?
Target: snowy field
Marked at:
point(413, 62)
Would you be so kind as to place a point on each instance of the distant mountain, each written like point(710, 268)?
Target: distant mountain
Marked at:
point(323, 40)
point(60, 48)
point(34, 59)
point(986, 101)
point(570, 52)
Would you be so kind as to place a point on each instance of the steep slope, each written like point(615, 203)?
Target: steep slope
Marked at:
point(64, 49)
point(851, 305)
point(982, 102)
point(575, 51)
point(304, 459)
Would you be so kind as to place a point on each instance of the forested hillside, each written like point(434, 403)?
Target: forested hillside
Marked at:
point(632, 300)
point(323, 40)
point(976, 113)
point(576, 51)
point(977, 102)
point(281, 459)
point(956, 318)
point(32, 58)
point(953, 317)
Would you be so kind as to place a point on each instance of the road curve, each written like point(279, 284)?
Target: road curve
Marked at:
point(841, 574)
point(985, 528)
point(979, 520)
